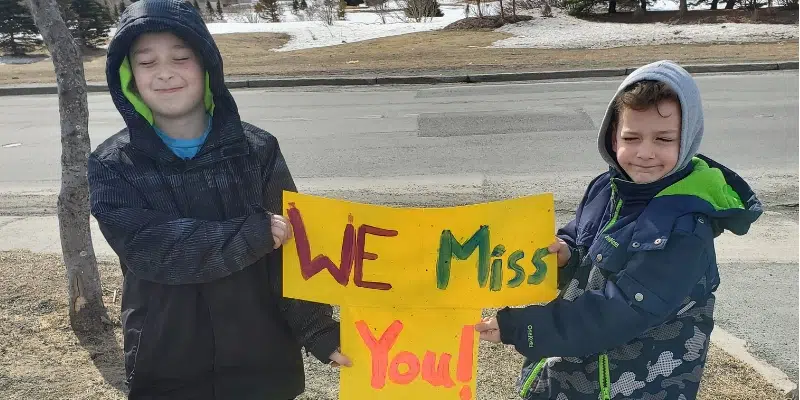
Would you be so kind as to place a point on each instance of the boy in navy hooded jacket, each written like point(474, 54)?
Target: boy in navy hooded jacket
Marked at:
point(188, 196)
point(637, 264)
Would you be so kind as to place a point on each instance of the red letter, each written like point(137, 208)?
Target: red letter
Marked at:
point(309, 267)
point(465, 361)
point(363, 230)
point(406, 358)
point(464, 368)
point(437, 376)
point(379, 349)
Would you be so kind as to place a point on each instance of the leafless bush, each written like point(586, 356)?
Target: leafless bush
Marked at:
point(420, 10)
point(381, 8)
point(242, 13)
point(326, 11)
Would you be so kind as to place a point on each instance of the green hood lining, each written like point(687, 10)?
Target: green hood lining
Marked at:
point(126, 77)
point(708, 184)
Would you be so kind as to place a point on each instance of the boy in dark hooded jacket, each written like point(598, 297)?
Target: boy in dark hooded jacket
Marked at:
point(188, 196)
point(637, 264)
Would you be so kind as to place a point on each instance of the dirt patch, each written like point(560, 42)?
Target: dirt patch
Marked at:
point(763, 16)
point(236, 49)
point(41, 358)
point(493, 22)
point(248, 55)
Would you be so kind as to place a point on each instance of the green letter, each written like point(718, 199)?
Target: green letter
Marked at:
point(520, 272)
point(449, 247)
point(541, 268)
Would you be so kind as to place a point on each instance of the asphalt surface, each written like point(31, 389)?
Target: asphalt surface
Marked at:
point(456, 144)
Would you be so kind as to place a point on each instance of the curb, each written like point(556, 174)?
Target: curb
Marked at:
point(427, 79)
point(737, 349)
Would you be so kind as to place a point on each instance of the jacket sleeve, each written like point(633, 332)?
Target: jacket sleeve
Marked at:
point(569, 234)
point(647, 292)
point(311, 323)
point(166, 249)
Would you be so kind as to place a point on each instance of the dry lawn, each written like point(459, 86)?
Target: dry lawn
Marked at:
point(249, 55)
point(41, 358)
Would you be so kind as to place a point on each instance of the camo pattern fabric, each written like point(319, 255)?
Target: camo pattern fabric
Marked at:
point(666, 362)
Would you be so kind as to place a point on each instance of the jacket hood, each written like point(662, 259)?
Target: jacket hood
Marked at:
point(183, 20)
point(716, 191)
point(691, 110)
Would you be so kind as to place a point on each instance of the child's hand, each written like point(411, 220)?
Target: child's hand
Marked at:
point(338, 359)
point(561, 248)
point(489, 330)
point(281, 230)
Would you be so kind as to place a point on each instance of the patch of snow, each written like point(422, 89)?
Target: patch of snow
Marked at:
point(672, 5)
point(358, 26)
point(21, 60)
point(567, 32)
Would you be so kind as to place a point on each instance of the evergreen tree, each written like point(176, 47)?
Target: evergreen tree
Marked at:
point(295, 6)
point(268, 9)
point(196, 5)
point(303, 5)
point(219, 9)
point(209, 11)
point(89, 21)
point(122, 6)
point(17, 28)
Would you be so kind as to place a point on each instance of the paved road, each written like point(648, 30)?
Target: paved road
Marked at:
point(446, 145)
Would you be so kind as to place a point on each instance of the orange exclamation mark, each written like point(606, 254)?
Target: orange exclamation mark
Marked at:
point(465, 360)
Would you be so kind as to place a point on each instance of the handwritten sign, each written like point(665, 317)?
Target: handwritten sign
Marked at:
point(411, 283)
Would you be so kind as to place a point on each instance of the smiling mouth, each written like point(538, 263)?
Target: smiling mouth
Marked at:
point(173, 90)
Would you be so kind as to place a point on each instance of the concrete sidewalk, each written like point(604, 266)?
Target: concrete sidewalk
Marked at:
point(427, 79)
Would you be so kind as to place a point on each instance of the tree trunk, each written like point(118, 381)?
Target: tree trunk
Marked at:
point(714, 4)
point(644, 5)
point(514, 9)
point(612, 6)
point(86, 309)
point(502, 12)
point(683, 8)
point(730, 4)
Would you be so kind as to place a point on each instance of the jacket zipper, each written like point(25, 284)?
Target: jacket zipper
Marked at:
point(526, 386)
point(605, 377)
point(617, 208)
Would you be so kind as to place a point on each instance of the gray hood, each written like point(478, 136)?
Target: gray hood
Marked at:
point(691, 110)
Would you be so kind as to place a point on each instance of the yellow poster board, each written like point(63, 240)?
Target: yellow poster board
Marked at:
point(476, 256)
point(409, 353)
point(411, 283)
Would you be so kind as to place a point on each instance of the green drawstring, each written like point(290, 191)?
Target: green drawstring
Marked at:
point(605, 377)
point(526, 387)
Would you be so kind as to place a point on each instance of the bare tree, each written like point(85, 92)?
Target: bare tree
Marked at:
point(86, 309)
point(323, 10)
point(381, 8)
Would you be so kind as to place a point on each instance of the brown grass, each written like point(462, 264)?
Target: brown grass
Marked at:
point(41, 358)
point(249, 55)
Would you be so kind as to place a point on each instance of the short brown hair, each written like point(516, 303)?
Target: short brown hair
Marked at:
point(643, 95)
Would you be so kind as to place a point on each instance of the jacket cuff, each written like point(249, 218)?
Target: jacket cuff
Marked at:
point(258, 233)
point(508, 330)
point(566, 273)
point(325, 344)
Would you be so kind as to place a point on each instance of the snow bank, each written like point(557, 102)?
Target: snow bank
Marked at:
point(564, 31)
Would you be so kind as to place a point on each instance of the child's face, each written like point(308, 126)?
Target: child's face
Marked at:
point(168, 74)
point(647, 143)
